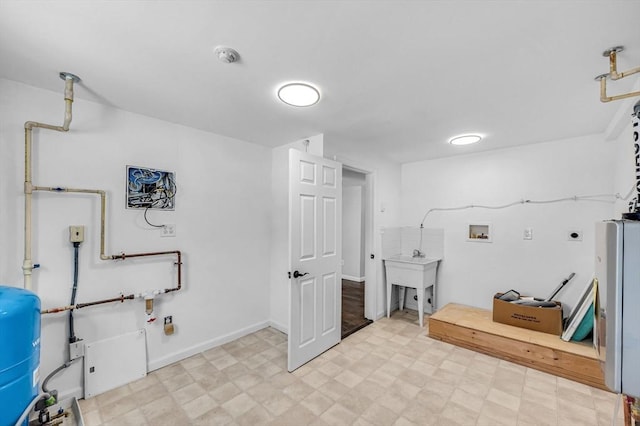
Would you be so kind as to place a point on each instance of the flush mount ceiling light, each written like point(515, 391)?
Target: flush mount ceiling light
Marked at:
point(465, 139)
point(299, 94)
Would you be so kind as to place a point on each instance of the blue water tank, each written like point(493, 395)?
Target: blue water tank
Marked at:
point(19, 352)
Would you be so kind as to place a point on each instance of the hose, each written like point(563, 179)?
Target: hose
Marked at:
point(32, 404)
point(72, 332)
point(53, 373)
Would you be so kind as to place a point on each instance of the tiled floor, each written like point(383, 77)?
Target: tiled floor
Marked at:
point(389, 373)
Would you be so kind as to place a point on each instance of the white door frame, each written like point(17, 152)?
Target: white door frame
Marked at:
point(371, 281)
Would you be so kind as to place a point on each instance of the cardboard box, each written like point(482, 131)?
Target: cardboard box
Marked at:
point(546, 320)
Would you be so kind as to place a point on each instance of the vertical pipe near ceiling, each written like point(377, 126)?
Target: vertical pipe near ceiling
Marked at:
point(27, 265)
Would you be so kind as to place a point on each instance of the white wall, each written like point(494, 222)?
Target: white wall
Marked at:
point(222, 217)
point(353, 267)
point(472, 272)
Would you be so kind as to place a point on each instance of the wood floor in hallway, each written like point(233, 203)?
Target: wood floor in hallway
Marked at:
point(353, 307)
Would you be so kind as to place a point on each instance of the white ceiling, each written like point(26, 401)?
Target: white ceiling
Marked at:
point(398, 78)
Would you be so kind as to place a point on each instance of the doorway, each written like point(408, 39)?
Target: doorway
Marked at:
point(354, 250)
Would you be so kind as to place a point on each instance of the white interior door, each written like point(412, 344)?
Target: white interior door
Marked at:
point(315, 232)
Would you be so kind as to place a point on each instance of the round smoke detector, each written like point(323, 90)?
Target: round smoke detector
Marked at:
point(226, 54)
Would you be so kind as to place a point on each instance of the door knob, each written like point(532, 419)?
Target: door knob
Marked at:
point(297, 274)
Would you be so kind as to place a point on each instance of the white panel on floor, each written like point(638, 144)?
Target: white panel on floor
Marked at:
point(114, 362)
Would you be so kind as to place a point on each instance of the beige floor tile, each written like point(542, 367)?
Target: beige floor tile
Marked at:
point(471, 402)
point(370, 388)
point(570, 413)
point(239, 405)
point(334, 389)
point(178, 381)
point(315, 379)
point(132, 418)
point(389, 373)
point(348, 379)
point(434, 402)
point(144, 383)
point(91, 417)
point(224, 361)
point(295, 416)
point(540, 385)
point(214, 353)
point(112, 396)
point(249, 380)
point(298, 390)
point(256, 416)
point(198, 406)
point(380, 415)
point(277, 403)
point(169, 371)
point(87, 405)
point(531, 412)
point(338, 414)
point(392, 402)
point(215, 417)
point(317, 403)
point(507, 400)
point(403, 421)
point(456, 414)
point(225, 392)
point(149, 394)
point(160, 409)
point(356, 402)
point(118, 408)
point(188, 393)
point(568, 396)
point(499, 413)
point(194, 361)
point(330, 369)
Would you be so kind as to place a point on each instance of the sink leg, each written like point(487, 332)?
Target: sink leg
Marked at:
point(401, 296)
point(389, 286)
point(420, 292)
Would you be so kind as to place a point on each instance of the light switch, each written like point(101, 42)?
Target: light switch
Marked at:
point(528, 234)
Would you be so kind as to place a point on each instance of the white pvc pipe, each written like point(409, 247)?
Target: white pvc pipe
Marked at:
point(27, 264)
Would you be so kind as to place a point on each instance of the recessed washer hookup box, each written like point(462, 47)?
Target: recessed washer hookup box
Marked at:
point(546, 320)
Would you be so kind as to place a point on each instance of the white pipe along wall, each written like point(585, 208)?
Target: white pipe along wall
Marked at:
point(220, 213)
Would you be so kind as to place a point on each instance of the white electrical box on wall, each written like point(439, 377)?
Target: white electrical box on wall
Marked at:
point(114, 362)
point(480, 232)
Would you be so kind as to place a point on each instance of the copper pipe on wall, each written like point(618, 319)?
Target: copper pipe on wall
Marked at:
point(615, 75)
point(603, 91)
point(613, 65)
point(178, 254)
point(122, 298)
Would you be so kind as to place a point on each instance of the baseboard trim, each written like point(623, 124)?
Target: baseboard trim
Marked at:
point(278, 326)
point(352, 278)
point(201, 347)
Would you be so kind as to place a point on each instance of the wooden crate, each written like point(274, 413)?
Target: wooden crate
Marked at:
point(474, 329)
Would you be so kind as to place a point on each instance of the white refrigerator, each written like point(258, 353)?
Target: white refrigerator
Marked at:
point(617, 328)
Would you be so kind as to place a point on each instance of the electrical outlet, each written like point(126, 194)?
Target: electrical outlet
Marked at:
point(528, 234)
point(168, 230)
point(574, 235)
point(76, 234)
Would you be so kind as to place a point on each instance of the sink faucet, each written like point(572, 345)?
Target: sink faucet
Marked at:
point(417, 253)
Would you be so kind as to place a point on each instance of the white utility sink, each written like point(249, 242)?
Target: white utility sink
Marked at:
point(415, 272)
